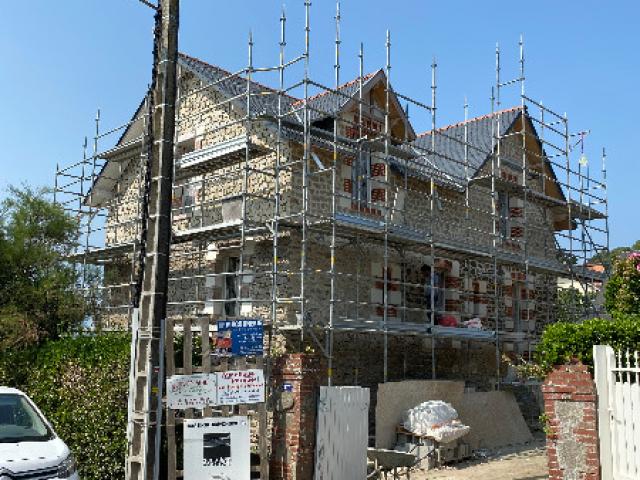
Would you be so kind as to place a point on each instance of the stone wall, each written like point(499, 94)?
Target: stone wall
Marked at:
point(571, 409)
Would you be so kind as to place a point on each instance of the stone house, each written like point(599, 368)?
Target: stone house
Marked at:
point(421, 254)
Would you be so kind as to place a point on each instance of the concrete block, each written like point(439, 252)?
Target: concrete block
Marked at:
point(495, 420)
point(455, 268)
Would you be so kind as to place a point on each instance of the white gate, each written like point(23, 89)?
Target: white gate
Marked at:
point(342, 433)
point(617, 378)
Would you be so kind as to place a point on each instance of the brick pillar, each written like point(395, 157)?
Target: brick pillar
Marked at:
point(571, 408)
point(295, 379)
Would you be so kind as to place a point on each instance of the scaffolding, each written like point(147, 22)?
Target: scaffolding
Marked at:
point(319, 210)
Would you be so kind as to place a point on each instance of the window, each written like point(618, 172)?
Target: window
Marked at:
point(231, 287)
point(184, 198)
point(360, 177)
point(437, 291)
point(19, 421)
point(503, 215)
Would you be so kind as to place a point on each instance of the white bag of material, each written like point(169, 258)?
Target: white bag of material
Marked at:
point(436, 419)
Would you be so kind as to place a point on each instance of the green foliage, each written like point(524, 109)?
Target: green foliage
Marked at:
point(608, 257)
point(81, 385)
point(524, 369)
point(622, 293)
point(545, 423)
point(36, 285)
point(564, 341)
point(572, 303)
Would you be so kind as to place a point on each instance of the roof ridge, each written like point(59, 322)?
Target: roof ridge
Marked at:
point(470, 120)
point(365, 78)
point(207, 64)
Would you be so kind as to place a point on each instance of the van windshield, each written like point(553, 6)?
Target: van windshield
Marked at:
point(19, 422)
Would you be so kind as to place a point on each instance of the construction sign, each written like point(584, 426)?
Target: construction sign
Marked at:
point(217, 448)
point(240, 386)
point(202, 390)
point(240, 337)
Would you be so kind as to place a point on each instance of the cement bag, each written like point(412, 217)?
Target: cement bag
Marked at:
point(436, 419)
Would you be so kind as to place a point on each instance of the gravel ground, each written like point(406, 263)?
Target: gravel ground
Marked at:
point(524, 462)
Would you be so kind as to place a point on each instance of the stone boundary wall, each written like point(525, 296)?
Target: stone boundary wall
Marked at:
point(570, 404)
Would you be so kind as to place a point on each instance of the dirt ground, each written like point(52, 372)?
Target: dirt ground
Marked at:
point(526, 462)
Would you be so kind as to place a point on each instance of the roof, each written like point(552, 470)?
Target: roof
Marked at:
point(263, 99)
point(447, 161)
point(329, 102)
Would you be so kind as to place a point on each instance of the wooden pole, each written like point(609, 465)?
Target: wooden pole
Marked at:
point(146, 415)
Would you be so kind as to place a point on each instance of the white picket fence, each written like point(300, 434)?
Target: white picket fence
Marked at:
point(617, 376)
point(342, 434)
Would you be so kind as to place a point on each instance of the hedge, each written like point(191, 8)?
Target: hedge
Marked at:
point(564, 341)
point(81, 385)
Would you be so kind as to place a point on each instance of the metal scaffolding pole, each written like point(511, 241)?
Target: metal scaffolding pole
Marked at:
point(334, 201)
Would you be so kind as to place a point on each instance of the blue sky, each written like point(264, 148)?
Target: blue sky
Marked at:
point(62, 60)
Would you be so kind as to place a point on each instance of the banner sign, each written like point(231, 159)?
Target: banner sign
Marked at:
point(240, 386)
point(240, 337)
point(192, 391)
point(210, 389)
point(217, 448)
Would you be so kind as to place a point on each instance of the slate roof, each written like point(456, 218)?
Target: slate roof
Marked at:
point(446, 163)
point(329, 102)
point(264, 100)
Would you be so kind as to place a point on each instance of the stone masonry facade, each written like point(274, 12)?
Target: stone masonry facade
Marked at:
point(214, 196)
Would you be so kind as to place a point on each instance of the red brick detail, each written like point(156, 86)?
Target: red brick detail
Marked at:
point(515, 212)
point(348, 161)
point(517, 232)
point(294, 429)
point(378, 194)
point(348, 185)
point(527, 314)
point(518, 276)
point(452, 282)
point(572, 383)
point(367, 210)
point(378, 170)
point(509, 177)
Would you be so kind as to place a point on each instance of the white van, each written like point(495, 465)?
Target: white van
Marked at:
point(29, 448)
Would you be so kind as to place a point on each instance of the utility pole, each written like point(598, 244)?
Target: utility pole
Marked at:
point(145, 415)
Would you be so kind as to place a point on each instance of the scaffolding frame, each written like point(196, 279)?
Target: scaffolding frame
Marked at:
point(302, 154)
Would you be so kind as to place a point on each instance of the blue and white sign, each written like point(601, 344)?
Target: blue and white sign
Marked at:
point(240, 337)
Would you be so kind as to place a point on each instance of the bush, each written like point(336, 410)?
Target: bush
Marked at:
point(81, 385)
point(564, 341)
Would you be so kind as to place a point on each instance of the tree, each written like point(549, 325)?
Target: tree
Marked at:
point(622, 293)
point(608, 257)
point(37, 295)
point(572, 304)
